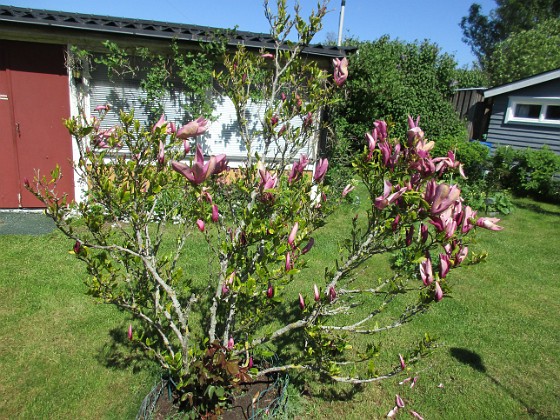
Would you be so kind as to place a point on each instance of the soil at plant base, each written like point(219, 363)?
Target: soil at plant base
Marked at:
point(250, 400)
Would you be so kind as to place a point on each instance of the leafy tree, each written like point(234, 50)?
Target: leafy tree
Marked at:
point(392, 79)
point(526, 53)
point(471, 78)
point(484, 32)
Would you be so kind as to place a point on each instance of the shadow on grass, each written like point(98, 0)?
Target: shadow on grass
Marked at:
point(468, 357)
point(474, 360)
point(120, 353)
point(536, 208)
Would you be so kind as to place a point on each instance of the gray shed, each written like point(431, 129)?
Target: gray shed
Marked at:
point(526, 113)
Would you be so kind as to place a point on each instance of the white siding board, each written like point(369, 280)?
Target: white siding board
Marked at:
point(222, 135)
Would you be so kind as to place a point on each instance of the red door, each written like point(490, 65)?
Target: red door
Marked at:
point(33, 139)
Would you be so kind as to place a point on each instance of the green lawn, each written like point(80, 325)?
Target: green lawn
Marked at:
point(498, 354)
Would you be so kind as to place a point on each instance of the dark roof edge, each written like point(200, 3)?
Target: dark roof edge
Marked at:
point(147, 28)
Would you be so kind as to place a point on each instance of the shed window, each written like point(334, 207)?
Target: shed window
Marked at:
point(527, 111)
point(553, 112)
point(534, 111)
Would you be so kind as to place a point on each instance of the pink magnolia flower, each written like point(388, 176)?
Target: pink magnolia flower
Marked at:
point(289, 264)
point(316, 294)
point(489, 223)
point(200, 171)
point(449, 162)
point(467, 219)
point(230, 343)
point(205, 195)
point(371, 141)
point(267, 56)
point(395, 223)
point(193, 129)
point(438, 293)
point(308, 120)
point(388, 197)
point(301, 302)
point(444, 265)
point(332, 294)
point(293, 234)
point(461, 255)
point(77, 247)
point(413, 123)
point(307, 247)
point(414, 132)
point(268, 181)
point(129, 334)
point(200, 224)
point(186, 146)
point(105, 107)
point(409, 236)
point(270, 291)
point(423, 233)
point(347, 189)
point(426, 271)
point(321, 170)
point(225, 289)
point(161, 154)
point(385, 148)
point(340, 70)
point(170, 127)
point(393, 412)
point(250, 364)
point(215, 213)
point(441, 196)
point(297, 169)
point(416, 415)
point(274, 120)
point(404, 381)
point(101, 137)
point(401, 360)
point(231, 278)
point(380, 127)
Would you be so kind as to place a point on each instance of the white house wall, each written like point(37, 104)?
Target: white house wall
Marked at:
point(222, 136)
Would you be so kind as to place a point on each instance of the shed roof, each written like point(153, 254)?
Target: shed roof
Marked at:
point(148, 28)
point(523, 83)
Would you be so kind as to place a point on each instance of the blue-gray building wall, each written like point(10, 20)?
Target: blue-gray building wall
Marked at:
point(523, 135)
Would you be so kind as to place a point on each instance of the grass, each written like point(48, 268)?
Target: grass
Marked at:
point(498, 354)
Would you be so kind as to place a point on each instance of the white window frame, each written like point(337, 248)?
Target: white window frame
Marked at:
point(510, 117)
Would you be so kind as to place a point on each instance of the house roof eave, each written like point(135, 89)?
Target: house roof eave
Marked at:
point(523, 83)
point(149, 29)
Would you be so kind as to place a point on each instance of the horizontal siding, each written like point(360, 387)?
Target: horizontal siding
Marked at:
point(520, 135)
point(222, 135)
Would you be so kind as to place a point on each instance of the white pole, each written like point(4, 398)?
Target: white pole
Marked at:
point(341, 22)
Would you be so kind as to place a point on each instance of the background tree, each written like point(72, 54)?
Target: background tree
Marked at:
point(392, 79)
point(526, 53)
point(484, 32)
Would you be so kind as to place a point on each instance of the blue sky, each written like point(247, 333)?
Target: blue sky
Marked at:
point(409, 20)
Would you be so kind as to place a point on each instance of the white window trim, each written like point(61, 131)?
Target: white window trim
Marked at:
point(510, 118)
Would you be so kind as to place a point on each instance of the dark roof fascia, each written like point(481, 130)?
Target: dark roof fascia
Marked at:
point(150, 29)
point(523, 83)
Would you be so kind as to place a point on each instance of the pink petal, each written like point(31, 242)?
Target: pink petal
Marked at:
point(416, 415)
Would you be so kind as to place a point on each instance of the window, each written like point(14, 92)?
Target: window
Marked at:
point(552, 113)
point(536, 111)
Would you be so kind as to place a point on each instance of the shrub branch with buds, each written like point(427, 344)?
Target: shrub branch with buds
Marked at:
point(212, 332)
